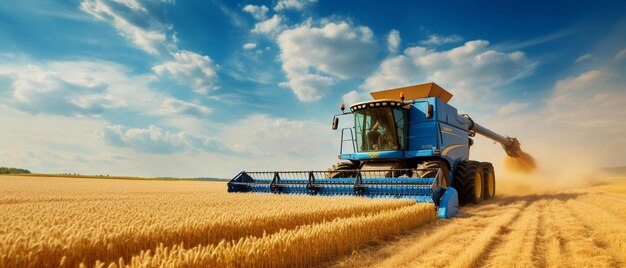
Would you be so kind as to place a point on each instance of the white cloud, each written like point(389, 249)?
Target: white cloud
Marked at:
point(393, 41)
point(249, 46)
point(270, 26)
point(51, 143)
point(512, 107)
point(235, 18)
point(283, 144)
point(74, 88)
point(584, 58)
point(159, 141)
point(434, 39)
point(471, 70)
point(262, 139)
point(174, 106)
point(313, 57)
point(293, 4)
point(191, 69)
point(258, 12)
point(59, 144)
point(620, 55)
point(516, 45)
point(354, 96)
point(133, 4)
point(86, 89)
point(578, 128)
point(150, 37)
point(393, 72)
point(584, 119)
point(593, 99)
point(309, 87)
point(580, 82)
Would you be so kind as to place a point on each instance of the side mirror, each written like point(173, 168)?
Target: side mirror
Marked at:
point(429, 111)
point(335, 122)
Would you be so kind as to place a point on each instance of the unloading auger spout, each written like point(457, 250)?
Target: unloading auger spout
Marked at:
point(511, 146)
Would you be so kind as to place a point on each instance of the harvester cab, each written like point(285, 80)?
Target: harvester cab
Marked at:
point(405, 143)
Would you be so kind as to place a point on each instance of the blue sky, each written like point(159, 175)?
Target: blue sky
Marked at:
point(208, 88)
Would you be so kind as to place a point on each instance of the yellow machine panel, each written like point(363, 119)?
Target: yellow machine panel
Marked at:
point(414, 92)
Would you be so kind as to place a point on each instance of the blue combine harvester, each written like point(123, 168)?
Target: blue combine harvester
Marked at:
point(406, 143)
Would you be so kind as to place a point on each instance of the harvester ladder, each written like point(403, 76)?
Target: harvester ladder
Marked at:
point(343, 140)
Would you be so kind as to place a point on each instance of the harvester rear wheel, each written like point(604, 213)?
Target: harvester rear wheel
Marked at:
point(434, 164)
point(490, 180)
point(342, 170)
point(468, 181)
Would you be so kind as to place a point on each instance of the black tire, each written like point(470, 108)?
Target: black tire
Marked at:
point(468, 181)
point(489, 175)
point(434, 164)
point(342, 170)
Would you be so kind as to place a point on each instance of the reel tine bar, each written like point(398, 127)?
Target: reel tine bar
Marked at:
point(394, 183)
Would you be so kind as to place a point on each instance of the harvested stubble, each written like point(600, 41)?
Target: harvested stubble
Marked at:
point(609, 228)
point(582, 227)
point(448, 246)
point(516, 248)
point(69, 221)
point(304, 246)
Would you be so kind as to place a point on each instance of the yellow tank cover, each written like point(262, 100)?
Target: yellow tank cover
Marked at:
point(414, 92)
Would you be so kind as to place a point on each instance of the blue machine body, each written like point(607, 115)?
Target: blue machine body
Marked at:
point(424, 128)
point(444, 135)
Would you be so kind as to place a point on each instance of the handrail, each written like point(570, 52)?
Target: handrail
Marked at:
point(344, 140)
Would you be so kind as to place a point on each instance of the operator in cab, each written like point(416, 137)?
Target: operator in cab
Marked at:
point(376, 130)
point(378, 134)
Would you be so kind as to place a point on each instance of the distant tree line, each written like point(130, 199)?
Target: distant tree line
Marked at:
point(10, 170)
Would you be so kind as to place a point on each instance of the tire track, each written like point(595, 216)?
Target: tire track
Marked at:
point(575, 246)
point(487, 240)
point(614, 205)
point(515, 245)
point(454, 251)
point(538, 252)
point(607, 228)
point(559, 229)
point(552, 242)
point(427, 240)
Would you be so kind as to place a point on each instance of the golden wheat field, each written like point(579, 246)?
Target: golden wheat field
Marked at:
point(70, 222)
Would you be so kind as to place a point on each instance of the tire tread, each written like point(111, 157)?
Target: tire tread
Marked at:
point(464, 182)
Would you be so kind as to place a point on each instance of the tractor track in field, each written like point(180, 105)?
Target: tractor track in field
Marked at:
point(523, 224)
point(538, 257)
point(602, 237)
point(573, 228)
point(495, 241)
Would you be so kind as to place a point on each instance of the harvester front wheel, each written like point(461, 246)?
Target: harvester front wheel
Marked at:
point(490, 180)
point(432, 166)
point(342, 170)
point(468, 181)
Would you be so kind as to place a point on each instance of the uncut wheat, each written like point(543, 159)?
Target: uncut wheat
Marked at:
point(302, 247)
point(80, 222)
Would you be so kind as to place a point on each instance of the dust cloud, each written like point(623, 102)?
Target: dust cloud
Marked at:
point(525, 163)
point(544, 172)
